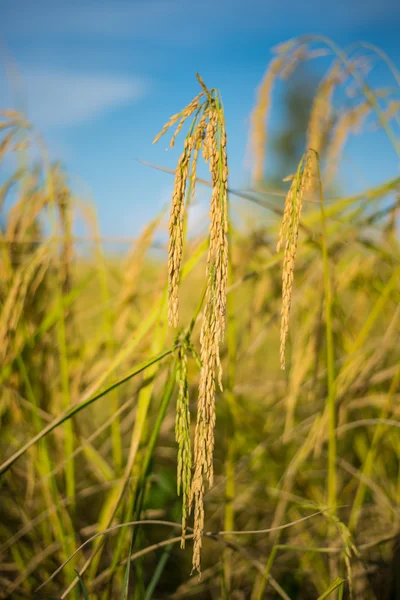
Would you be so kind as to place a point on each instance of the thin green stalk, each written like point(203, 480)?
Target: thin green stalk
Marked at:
point(229, 511)
point(61, 333)
point(330, 354)
point(332, 588)
point(258, 591)
point(371, 455)
point(82, 587)
point(330, 358)
point(60, 518)
point(110, 342)
point(138, 494)
point(135, 506)
point(229, 515)
point(66, 399)
point(158, 572)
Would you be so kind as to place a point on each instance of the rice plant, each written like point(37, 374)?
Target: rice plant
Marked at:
point(222, 423)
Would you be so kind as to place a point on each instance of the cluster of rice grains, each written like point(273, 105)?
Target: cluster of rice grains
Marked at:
point(327, 133)
point(288, 56)
point(206, 133)
point(288, 236)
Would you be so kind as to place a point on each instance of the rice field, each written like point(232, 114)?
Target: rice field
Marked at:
point(218, 419)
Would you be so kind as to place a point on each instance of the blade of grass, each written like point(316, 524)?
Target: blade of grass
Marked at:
point(330, 354)
point(158, 572)
point(82, 586)
point(334, 586)
point(76, 408)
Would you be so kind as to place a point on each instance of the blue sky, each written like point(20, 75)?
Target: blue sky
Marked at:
point(100, 78)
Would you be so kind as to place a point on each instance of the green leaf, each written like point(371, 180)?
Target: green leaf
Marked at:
point(158, 572)
point(125, 585)
point(82, 586)
point(338, 582)
point(77, 408)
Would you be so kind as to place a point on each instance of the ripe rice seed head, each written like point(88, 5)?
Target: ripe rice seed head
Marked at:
point(321, 109)
point(208, 134)
point(288, 237)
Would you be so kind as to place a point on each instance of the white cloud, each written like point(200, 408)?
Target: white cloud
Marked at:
point(64, 99)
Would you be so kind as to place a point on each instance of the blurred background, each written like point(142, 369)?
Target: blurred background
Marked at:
point(91, 375)
point(100, 78)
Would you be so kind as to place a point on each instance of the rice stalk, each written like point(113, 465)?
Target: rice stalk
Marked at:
point(372, 451)
point(61, 331)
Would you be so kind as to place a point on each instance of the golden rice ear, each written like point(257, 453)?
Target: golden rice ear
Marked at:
point(191, 143)
point(183, 115)
point(289, 55)
point(198, 139)
point(350, 121)
point(213, 325)
point(175, 247)
point(259, 116)
point(207, 134)
point(288, 237)
point(321, 109)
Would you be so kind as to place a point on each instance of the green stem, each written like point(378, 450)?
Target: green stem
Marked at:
point(371, 454)
point(110, 340)
point(330, 355)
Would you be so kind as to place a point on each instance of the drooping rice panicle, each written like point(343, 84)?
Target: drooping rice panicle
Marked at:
point(175, 247)
point(213, 325)
point(183, 115)
point(321, 110)
point(198, 139)
point(288, 237)
point(349, 121)
point(259, 116)
point(208, 134)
